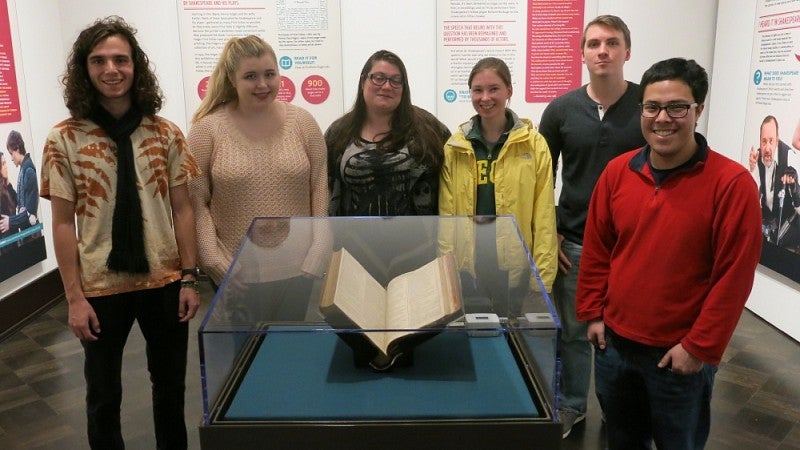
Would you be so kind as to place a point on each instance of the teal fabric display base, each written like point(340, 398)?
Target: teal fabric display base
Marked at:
point(310, 376)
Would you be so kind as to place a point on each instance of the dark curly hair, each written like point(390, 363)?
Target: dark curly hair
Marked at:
point(80, 95)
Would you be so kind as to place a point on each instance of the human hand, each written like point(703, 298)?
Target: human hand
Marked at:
point(679, 361)
point(238, 286)
point(564, 264)
point(752, 158)
point(83, 320)
point(596, 333)
point(4, 224)
point(188, 304)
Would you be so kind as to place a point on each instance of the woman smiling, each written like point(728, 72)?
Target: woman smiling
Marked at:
point(258, 156)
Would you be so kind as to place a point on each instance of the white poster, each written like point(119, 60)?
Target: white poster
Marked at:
point(21, 241)
point(305, 34)
point(539, 40)
point(771, 148)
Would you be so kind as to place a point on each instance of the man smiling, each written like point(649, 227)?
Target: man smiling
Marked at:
point(116, 165)
point(672, 240)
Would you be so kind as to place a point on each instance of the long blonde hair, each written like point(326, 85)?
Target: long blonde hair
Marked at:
point(220, 87)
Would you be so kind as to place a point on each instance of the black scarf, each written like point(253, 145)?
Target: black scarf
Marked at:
point(127, 230)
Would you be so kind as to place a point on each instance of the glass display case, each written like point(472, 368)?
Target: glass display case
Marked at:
point(292, 350)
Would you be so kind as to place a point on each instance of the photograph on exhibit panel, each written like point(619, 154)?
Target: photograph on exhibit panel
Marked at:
point(771, 147)
point(21, 241)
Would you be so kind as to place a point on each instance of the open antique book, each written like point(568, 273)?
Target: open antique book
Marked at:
point(412, 302)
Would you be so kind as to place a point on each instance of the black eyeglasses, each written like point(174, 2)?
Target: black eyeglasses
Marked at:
point(674, 110)
point(379, 79)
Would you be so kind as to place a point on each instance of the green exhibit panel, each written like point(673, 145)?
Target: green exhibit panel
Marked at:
point(299, 376)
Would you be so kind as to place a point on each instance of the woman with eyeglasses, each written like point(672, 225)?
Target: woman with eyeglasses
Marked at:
point(496, 163)
point(258, 156)
point(384, 156)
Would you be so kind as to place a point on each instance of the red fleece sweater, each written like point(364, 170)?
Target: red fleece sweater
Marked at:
point(671, 263)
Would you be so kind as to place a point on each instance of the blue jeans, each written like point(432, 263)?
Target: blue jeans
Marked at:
point(645, 404)
point(156, 311)
point(574, 348)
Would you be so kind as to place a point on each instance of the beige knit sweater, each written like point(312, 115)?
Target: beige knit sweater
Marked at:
point(282, 176)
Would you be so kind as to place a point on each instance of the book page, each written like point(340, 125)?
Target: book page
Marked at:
point(359, 295)
point(420, 299)
point(416, 298)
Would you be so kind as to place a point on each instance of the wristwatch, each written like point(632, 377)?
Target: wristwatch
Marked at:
point(193, 271)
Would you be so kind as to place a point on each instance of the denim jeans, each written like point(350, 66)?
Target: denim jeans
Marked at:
point(156, 311)
point(574, 348)
point(645, 404)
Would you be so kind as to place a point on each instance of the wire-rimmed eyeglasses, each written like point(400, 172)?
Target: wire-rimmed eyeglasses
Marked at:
point(379, 79)
point(674, 110)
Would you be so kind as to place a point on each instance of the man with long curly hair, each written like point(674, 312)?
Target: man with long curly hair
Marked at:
point(115, 165)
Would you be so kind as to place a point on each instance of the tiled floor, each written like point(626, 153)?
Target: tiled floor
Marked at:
point(756, 399)
point(42, 388)
point(756, 403)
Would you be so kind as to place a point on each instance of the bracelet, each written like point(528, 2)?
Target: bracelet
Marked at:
point(190, 284)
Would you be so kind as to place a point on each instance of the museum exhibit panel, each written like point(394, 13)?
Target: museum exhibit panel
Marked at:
point(380, 332)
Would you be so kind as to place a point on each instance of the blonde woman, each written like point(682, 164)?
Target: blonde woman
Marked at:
point(258, 156)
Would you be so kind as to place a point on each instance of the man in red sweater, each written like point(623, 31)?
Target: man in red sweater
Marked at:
point(672, 241)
